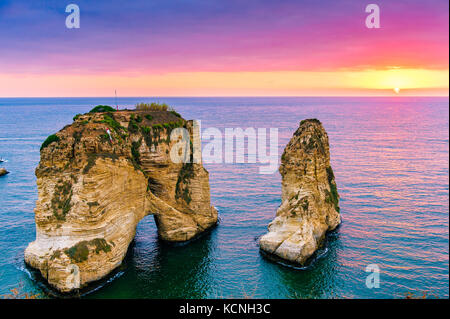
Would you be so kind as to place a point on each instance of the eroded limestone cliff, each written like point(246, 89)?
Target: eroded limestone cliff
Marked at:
point(94, 188)
point(310, 201)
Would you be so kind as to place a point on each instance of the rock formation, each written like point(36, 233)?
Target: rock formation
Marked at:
point(98, 178)
point(3, 171)
point(310, 202)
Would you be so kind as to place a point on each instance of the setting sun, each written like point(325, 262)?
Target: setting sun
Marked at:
point(397, 90)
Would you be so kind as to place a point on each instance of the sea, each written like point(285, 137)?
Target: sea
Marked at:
point(390, 157)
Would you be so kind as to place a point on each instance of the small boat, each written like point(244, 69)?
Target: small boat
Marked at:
point(2, 160)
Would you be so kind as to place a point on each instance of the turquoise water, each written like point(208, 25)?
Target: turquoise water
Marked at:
point(390, 158)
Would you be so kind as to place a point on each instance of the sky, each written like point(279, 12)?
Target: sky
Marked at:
point(223, 48)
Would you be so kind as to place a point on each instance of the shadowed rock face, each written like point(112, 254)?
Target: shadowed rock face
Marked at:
point(310, 202)
point(94, 190)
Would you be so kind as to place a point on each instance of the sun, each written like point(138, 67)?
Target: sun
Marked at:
point(397, 90)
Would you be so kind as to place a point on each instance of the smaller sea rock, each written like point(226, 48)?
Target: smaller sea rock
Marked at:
point(3, 171)
point(310, 201)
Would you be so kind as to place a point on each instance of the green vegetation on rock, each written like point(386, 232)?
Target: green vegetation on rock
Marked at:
point(105, 138)
point(171, 125)
point(305, 204)
point(152, 106)
point(109, 120)
point(52, 138)
point(61, 201)
point(102, 108)
point(80, 251)
point(184, 176)
point(77, 136)
point(332, 196)
point(133, 126)
point(91, 204)
point(135, 152)
point(92, 158)
point(175, 113)
point(146, 130)
point(90, 163)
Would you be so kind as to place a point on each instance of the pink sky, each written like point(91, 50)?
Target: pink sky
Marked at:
point(223, 48)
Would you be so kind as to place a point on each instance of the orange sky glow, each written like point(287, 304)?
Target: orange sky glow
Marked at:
point(411, 82)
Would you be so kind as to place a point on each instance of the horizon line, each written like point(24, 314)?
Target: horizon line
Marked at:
point(220, 96)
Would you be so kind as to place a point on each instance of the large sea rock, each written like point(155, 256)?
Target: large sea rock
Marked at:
point(93, 191)
point(310, 201)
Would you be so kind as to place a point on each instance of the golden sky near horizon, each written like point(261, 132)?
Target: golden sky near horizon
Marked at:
point(291, 83)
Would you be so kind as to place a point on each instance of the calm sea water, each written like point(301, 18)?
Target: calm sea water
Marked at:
point(390, 157)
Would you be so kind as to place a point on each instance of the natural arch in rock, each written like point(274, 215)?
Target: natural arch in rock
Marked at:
point(93, 190)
